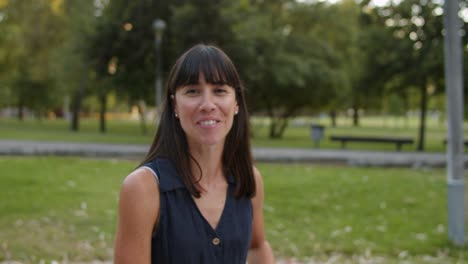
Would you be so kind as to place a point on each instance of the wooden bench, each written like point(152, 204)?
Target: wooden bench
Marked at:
point(394, 140)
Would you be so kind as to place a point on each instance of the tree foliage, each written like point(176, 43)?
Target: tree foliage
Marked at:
point(30, 30)
point(287, 67)
point(416, 60)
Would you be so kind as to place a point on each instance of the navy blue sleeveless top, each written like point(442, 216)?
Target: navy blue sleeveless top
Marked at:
point(183, 235)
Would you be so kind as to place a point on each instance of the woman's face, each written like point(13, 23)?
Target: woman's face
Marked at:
point(205, 111)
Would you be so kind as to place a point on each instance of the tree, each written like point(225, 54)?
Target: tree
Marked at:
point(102, 52)
point(32, 30)
point(286, 66)
point(73, 66)
point(344, 31)
point(416, 61)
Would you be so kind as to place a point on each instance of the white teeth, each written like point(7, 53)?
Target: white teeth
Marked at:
point(208, 122)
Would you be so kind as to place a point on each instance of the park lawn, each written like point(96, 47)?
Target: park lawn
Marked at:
point(54, 208)
point(297, 134)
point(313, 210)
point(118, 131)
point(65, 208)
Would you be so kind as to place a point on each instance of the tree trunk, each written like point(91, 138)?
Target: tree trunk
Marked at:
point(422, 122)
point(407, 107)
point(75, 113)
point(40, 115)
point(282, 128)
point(278, 124)
point(20, 111)
point(141, 112)
point(273, 128)
point(355, 116)
point(102, 112)
point(76, 105)
point(333, 117)
point(277, 127)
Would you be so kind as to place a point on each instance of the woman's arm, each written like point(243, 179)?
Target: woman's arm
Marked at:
point(138, 213)
point(260, 251)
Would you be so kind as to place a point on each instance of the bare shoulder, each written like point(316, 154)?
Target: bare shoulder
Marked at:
point(139, 195)
point(140, 182)
point(258, 178)
point(257, 199)
point(139, 201)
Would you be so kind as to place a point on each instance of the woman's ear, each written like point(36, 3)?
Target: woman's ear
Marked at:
point(174, 105)
point(173, 99)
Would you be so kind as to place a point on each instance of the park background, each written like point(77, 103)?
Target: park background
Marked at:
point(85, 71)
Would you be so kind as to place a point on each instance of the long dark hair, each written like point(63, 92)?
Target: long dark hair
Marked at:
point(170, 141)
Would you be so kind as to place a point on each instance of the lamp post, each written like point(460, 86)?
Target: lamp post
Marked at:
point(455, 148)
point(158, 27)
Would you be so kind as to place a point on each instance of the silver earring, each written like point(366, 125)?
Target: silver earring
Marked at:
point(176, 115)
point(237, 111)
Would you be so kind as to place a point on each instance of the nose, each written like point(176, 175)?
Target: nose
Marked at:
point(207, 103)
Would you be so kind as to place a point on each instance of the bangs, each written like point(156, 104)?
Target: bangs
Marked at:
point(215, 66)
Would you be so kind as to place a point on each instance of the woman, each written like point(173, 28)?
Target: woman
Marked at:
point(196, 198)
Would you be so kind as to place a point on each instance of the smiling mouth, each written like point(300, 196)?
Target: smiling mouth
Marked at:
point(208, 122)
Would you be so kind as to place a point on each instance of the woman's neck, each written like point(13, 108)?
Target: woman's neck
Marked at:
point(209, 158)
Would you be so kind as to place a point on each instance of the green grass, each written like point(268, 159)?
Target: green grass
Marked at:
point(297, 134)
point(65, 208)
point(54, 208)
point(118, 131)
point(315, 210)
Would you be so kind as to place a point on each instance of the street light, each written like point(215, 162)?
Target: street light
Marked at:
point(455, 148)
point(158, 27)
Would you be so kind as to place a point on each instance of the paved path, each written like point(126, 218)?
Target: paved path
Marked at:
point(127, 151)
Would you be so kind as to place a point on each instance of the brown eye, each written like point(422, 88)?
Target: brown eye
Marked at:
point(220, 90)
point(191, 91)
